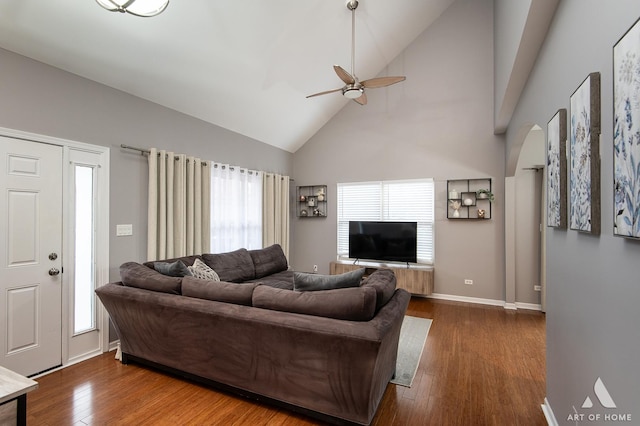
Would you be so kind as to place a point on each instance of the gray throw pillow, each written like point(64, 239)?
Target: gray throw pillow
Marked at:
point(173, 269)
point(315, 282)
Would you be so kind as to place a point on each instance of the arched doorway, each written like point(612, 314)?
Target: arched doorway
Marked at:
point(525, 222)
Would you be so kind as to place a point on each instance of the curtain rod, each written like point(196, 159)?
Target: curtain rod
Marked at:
point(142, 151)
point(146, 151)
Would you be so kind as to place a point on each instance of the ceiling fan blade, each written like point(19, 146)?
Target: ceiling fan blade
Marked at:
point(344, 76)
point(362, 100)
point(374, 83)
point(325, 92)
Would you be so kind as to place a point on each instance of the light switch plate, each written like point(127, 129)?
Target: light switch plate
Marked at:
point(123, 230)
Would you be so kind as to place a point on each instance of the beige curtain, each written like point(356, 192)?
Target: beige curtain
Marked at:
point(275, 211)
point(179, 205)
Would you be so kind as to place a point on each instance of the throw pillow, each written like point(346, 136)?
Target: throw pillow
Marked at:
point(173, 269)
point(202, 271)
point(315, 282)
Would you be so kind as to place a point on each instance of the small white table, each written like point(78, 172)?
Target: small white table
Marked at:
point(14, 386)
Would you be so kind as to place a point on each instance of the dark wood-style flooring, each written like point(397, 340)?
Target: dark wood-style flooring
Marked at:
point(481, 366)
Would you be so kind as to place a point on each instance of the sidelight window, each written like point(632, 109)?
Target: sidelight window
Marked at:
point(84, 284)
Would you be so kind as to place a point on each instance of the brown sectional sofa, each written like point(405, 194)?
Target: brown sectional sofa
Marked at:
point(329, 354)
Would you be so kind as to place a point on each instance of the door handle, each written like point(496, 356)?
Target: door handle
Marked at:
point(54, 271)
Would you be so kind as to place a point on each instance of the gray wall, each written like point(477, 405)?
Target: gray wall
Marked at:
point(41, 99)
point(438, 123)
point(592, 281)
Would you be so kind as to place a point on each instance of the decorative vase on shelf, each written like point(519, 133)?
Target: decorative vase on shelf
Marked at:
point(455, 205)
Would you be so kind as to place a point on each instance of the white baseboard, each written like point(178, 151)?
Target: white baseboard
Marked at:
point(529, 306)
point(112, 347)
point(480, 301)
point(69, 363)
point(83, 357)
point(466, 299)
point(548, 413)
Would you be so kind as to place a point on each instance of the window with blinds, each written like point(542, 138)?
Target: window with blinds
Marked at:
point(400, 200)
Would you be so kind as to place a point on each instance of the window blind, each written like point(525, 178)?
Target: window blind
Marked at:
point(401, 200)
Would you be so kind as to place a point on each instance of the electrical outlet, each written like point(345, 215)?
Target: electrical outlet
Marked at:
point(468, 282)
point(315, 268)
point(537, 288)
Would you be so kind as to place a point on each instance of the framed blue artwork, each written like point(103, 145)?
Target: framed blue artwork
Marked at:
point(584, 177)
point(557, 170)
point(626, 134)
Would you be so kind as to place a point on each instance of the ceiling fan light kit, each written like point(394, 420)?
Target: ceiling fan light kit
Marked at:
point(354, 89)
point(141, 8)
point(352, 92)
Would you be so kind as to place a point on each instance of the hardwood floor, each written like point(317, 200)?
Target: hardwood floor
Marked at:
point(480, 366)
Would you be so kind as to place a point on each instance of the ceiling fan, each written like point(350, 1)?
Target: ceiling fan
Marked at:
point(354, 88)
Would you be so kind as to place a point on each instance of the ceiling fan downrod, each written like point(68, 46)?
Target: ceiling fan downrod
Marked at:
point(352, 5)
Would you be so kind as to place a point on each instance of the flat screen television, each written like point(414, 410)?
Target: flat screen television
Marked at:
point(384, 241)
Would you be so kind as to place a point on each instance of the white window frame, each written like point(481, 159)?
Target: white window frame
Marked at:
point(392, 201)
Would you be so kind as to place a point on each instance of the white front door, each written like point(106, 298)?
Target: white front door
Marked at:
point(30, 256)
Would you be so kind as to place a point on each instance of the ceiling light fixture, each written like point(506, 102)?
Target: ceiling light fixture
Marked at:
point(142, 8)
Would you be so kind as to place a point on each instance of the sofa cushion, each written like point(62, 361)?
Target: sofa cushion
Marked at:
point(314, 282)
point(283, 279)
point(134, 274)
point(268, 260)
point(173, 269)
point(384, 282)
point(352, 304)
point(201, 270)
point(239, 294)
point(236, 266)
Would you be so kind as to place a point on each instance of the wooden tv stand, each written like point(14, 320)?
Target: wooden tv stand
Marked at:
point(416, 280)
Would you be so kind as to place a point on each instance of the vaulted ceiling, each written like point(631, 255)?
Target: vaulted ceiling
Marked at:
point(245, 65)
